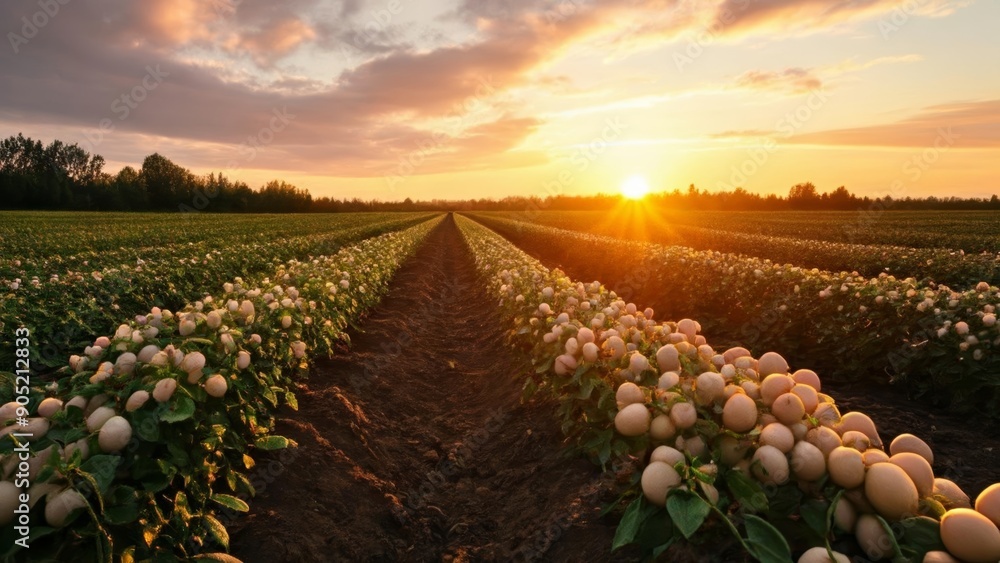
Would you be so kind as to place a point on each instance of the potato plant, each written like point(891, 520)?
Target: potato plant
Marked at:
point(73, 297)
point(144, 439)
point(723, 442)
point(943, 343)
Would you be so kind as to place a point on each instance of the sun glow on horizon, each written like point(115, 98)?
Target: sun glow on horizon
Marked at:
point(635, 187)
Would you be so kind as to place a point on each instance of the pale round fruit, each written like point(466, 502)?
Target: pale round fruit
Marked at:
point(950, 494)
point(216, 386)
point(668, 380)
point(683, 415)
point(820, 555)
point(667, 455)
point(136, 400)
point(799, 430)
point(49, 407)
point(778, 436)
point(60, 507)
point(846, 467)
point(939, 557)
point(788, 408)
point(873, 456)
point(856, 440)
point(9, 501)
point(695, 446)
point(988, 503)
point(771, 362)
point(751, 389)
point(891, 491)
point(845, 516)
point(740, 413)
point(632, 420)
point(860, 422)
point(970, 536)
point(193, 362)
point(775, 386)
point(114, 435)
point(591, 352)
point(770, 466)
point(99, 417)
point(668, 358)
point(807, 377)
point(808, 395)
point(658, 479)
point(919, 471)
point(629, 393)
point(808, 463)
point(912, 444)
point(824, 438)
point(709, 386)
point(164, 389)
point(872, 537)
point(662, 428)
point(732, 451)
point(731, 354)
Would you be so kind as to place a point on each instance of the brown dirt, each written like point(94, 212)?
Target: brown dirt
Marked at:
point(413, 446)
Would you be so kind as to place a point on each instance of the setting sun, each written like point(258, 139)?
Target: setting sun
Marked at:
point(635, 187)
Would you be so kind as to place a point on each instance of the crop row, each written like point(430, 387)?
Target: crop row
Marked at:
point(941, 265)
point(723, 443)
point(935, 342)
point(972, 231)
point(71, 306)
point(140, 446)
point(34, 236)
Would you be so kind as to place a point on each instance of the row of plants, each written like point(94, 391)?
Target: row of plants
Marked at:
point(944, 344)
point(971, 231)
point(34, 236)
point(142, 445)
point(722, 443)
point(735, 234)
point(72, 305)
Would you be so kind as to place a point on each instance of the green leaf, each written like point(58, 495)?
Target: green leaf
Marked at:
point(102, 468)
point(220, 557)
point(182, 409)
point(146, 425)
point(272, 443)
point(688, 511)
point(896, 550)
point(921, 534)
point(216, 530)
point(636, 513)
point(232, 502)
point(121, 515)
point(748, 492)
point(765, 541)
point(814, 514)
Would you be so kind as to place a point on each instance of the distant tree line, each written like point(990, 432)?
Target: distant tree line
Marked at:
point(66, 177)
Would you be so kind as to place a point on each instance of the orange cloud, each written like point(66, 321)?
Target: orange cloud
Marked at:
point(791, 80)
point(968, 125)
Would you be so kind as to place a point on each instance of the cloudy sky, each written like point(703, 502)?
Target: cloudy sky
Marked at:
point(454, 99)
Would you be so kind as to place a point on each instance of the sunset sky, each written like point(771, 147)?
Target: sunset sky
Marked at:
point(390, 99)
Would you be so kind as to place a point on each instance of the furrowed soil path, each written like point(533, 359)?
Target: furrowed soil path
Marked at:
point(413, 446)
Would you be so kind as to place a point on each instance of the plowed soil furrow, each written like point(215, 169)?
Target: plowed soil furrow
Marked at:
point(414, 446)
